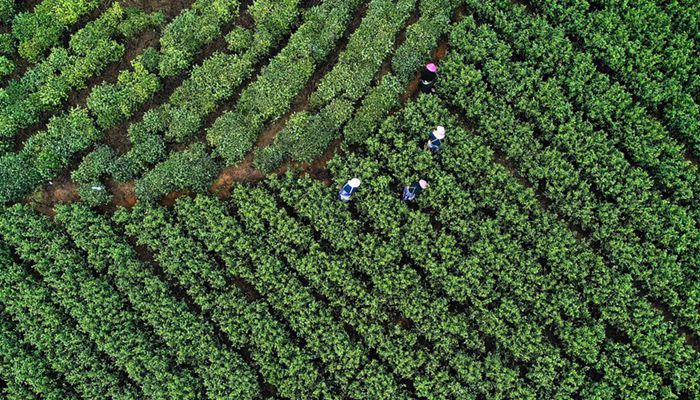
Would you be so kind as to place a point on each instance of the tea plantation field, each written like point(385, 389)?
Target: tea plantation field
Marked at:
point(171, 225)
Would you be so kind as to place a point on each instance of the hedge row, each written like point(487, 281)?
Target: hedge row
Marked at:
point(215, 80)
point(345, 83)
point(234, 133)
point(570, 196)
point(521, 283)
point(47, 152)
point(606, 104)
point(635, 42)
point(69, 351)
point(281, 361)
point(208, 85)
point(437, 336)
point(251, 258)
point(101, 312)
point(191, 169)
point(195, 27)
point(665, 229)
point(224, 373)
point(311, 132)
point(46, 86)
point(22, 364)
point(40, 29)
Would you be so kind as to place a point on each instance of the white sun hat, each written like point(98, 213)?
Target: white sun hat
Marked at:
point(354, 182)
point(439, 132)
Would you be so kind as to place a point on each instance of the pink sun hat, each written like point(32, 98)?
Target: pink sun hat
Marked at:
point(423, 184)
point(431, 67)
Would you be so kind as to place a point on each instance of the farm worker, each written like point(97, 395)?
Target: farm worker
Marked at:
point(348, 189)
point(410, 192)
point(427, 78)
point(435, 139)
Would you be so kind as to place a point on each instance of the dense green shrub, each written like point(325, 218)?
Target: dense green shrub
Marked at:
point(6, 66)
point(191, 169)
point(368, 46)
point(234, 133)
point(239, 39)
point(40, 29)
point(46, 153)
point(189, 31)
point(93, 165)
point(147, 147)
point(7, 44)
point(88, 174)
point(113, 103)
point(209, 83)
point(375, 107)
point(136, 21)
point(7, 10)
point(47, 85)
point(99, 309)
point(65, 135)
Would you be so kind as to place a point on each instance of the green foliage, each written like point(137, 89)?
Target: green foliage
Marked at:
point(99, 310)
point(560, 214)
point(46, 153)
point(209, 83)
point(51, 331)
point(637, 43)
point(7, 44)
point(150, 59)
point(146, 149)
point(234, 133)
point(191, 169)
point(21, 364)
point(572, 197)
point(246, 253)
point(113, 103)
point(6, 66)
point(422, 37)
point(40, 29)
point(369, 45)
point(191, 30)
point(93, 165)
point(305, 137)
point(282, 362)
point(375, 106)
point(7, 10)
point(88, 174)
point(239, 39)
point(225, 374)
point(66, 135)
point(136, 21)
point(46, 86)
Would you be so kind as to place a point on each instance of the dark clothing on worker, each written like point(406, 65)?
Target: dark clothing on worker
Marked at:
point(346, 192)
point(427, 80)
point(434, 143)
point(410, 192)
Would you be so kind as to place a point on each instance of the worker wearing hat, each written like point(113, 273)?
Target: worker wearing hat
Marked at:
point(435, 139)
point(410, 192)
point(348, 189)
point(427, 78)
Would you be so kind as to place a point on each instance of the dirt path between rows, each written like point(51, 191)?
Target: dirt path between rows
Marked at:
point(64, 190)
point(245, 171)
point(134, 47)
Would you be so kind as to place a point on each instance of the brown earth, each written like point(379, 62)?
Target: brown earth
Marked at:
point(64, 190)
